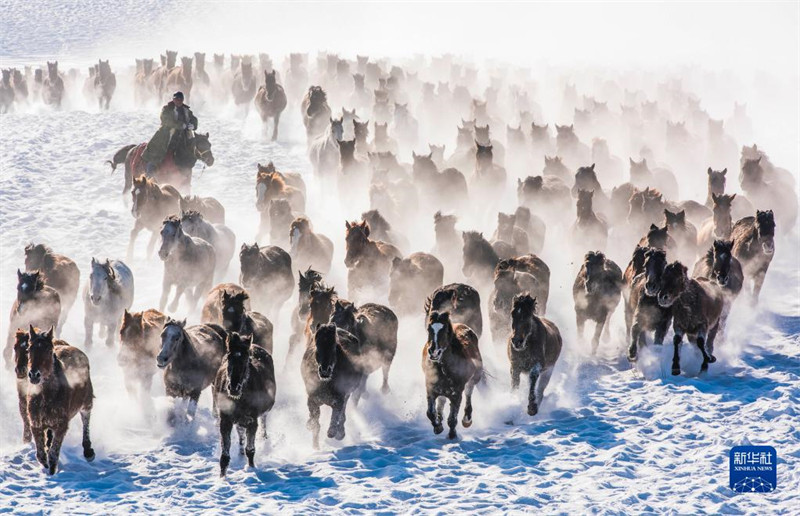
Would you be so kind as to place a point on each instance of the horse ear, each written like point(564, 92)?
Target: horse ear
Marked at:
point(710, 171)
point(592, 167)
point(31, 330)
point(182, 323)
point(19, 274)
point(347, 224)
point(724, 171)
point(49, 333)
point(733, 196)
point(317, 327)
point(653, 226)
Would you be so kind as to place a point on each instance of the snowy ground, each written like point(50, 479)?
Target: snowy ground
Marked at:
point(608, 439)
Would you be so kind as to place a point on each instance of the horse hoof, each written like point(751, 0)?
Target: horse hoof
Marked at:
point(385, 389)
point(632, 358)
point(438, 429)
point(88, 454)
point(466, 423)
point(676, 371)
point(331, 433)
point(533, 409)
point(704, 368)
point(452, 434)
point(52, 469)
point(712, 359)
point(339, 435)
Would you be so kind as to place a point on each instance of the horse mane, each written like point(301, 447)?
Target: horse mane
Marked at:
point(48, 259)
point(39, 280)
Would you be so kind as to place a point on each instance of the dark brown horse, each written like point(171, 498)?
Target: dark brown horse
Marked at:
point(270, 101)
point(480, 258)
point(104, 84)
point(643, 310)
point(588, 231)
point(452, 364)
point(212, 306)
point(375, 327)
point(58, 271)
point(721, 224)
point(244, 391)
point(190, 358)
point(272, 185)
point(754, 247)
point(696, 306)
point(236, 317)
point(306, 282)
point(316, 112)
point(533, 348)
point(53, 86)
point(596, 293)
point(266, 272)
point(140, 342)
point(514, 276)
point(59, 387)
point(331, 374)
point(461, 301)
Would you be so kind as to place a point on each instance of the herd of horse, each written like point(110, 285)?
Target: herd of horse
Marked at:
point(726, 242)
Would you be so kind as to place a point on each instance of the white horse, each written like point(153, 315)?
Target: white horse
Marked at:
point(323, 151)
point(106, 296)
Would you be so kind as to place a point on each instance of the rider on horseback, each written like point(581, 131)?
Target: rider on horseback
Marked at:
point(178, 123)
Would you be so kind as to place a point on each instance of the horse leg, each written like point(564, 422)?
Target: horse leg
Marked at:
point(88, 452)
point(541, 384)
point(606, 327)
point(628, 318)
point(166, 286)
point(54, 450)
point(385, 368)
point(225, 428)
point(598, 330)
point(361, 390)
point(452, 418)
point(192, 407)
point(709, 347)
point(313, 422)
point(533, 401)
point(137, 227)
point(39, 442)
point(88, 329)
point(111, 331)
point(275, 120)
point(633, 349)
point(515, 374)
point(337, 412)
point(250, 449)
point(580, 320)
point(758, 282)
point(151, 244)
point(701, 345)
point(240, 431)
point(263, 425)
point(676, 356)
point(661, 331)
point(179, 290)
point(433, 415)
point(466, 421)
point(26, 424)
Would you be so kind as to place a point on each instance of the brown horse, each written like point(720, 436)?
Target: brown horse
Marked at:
point(212, 307)
point(720, 225)
point(270, 101)
point(533, 348)
point(140, 342)
point(696, 306)
point(596, 293)
point(104, 84)
point(53, 86)
point(452, 364)
point(151, 205)
point(411, 278)
point(36, 304)
point(331, 373)
point(190, 358)
point(305, 283)
point(59, 387)
point(368, 261)
point(244, 391)
point(58, 271)
point(754, 247)
point(316, 112)
point(309, 249)
point(211, 209)
point(461, 301)
point(375, 327)
point(180, 77)
point(189, 263)
point(244, 84)
point(272, 185)
point(644, 310)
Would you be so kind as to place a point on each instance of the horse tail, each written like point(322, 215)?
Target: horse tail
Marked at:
point(120, 156)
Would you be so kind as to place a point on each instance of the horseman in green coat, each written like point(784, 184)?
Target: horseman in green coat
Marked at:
point(178, 124)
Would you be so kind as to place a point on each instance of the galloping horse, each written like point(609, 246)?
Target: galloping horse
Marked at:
point(176, 169)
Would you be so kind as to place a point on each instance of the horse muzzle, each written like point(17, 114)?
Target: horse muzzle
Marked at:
point(768, 247)
point(325, 374)
point(95, 299)
point(435, 355)
point(162, 361)
point(517, 344)
point(650, 289)
point(209, 161)
point(35, 377)
point(665, 301)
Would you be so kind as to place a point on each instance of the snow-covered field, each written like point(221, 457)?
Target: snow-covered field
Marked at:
point(608, 439)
